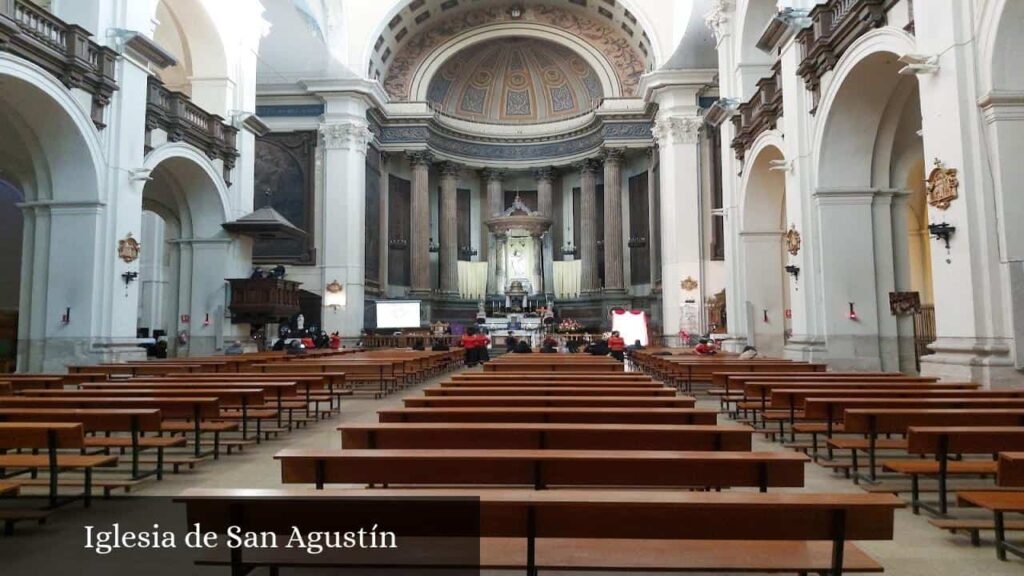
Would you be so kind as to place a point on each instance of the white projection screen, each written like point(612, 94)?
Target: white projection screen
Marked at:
point(398, 314)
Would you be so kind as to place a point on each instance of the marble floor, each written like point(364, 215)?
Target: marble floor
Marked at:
point(917, 550)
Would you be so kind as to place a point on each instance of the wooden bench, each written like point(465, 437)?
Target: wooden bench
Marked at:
point(544, 383)
point(560, 415)
point(575, 530)
point(559, 364)
point(552, 401)
point(574, 377)
point(1011, 469)
point(453, 391)
point(545, 436)
point(543, 468)
point(999, 503)
point(135, 422)
point(51, 437)
point(942, 441)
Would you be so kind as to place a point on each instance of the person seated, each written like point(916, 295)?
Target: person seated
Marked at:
point(418, 345)
point(235, 349)
point(510, 342)
point(440, 345)
point(749, 353)
point(598, 348)
point(549, 346)
point(705, 348)
point(523, 347)
point(573, 346)
point(617, 346)
point(637, 345)
point(335, 341)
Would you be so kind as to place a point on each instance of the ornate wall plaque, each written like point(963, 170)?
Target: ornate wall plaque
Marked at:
point(128, 249)
point(904, 303)
point(793, 240)
point(689, 284)
point(942, 185)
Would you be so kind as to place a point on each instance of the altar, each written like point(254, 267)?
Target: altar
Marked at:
point(519, 255)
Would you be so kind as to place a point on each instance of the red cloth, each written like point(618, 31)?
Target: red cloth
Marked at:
point(481, 341)
point(469, 342)
point(616, 344)
point(704, 349)
point(335, 342)
point(308, 343)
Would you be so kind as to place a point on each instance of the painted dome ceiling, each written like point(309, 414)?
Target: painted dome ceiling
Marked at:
point(514, 81)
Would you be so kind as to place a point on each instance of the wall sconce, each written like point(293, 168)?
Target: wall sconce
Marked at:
point(206, 320)
point(765, 314)
point(853, 313)
point(467, 251)
point(569, 249)
point(128, 278)
point(398, 243)
point(334, 296)
point(65, 319)
point(637, 242)
point(434, 246)
point(794, 271)
point(942, 232)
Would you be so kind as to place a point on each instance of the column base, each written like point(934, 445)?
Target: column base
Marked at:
point(987, 361)
point(804, 348)
point(54, 355)
point(732, 343)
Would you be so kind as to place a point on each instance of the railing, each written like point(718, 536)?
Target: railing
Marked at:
point(64, 50)
point(760, 113)
point(184, 121)
point(835, 25)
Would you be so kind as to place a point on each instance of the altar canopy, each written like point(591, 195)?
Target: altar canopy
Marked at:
point(631, 324)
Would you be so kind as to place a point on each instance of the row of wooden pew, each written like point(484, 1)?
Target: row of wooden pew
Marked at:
point(904, 427)
point(62, 431)
point(580, 468)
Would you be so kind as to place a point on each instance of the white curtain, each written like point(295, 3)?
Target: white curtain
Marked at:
point(472, 280)
point(632, 325)
point(567, 278)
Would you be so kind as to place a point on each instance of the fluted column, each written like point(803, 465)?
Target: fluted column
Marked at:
point(545, 178)
point(495, 193)
point(448, 229)
point(545, 205)
point(653, 241)
point(588, 225)
point(419, 244)
point(613, 277)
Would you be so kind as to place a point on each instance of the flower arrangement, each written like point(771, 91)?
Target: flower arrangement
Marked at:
point(569, 326)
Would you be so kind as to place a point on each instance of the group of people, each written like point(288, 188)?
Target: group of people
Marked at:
point(475, 341)
point(307, 340)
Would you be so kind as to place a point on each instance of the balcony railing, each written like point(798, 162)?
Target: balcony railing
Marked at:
point(760, 113)
point(64, 50)
point(184, 121)
point(835, 25)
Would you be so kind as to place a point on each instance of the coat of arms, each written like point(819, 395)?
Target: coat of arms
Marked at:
point(128, 249)
point(689, 284)
point(942, 186)
point(793, 240)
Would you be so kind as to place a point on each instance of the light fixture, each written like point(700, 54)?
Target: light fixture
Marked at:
point(793, 271)
point(569, 249)
point(334, 296)
point(942, 232)
point(637, 242)
point(516, 12)
point(721, 110)
point(852, 315)
point(918, 64)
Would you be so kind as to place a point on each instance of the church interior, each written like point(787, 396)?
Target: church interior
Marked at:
point(493, 286)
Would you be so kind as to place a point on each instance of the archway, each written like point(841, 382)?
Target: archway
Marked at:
point(49, 183)
point(869, 204)
point(183, 275)
point(766, 285)
point(186, 30)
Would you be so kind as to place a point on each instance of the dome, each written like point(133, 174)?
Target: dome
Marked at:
point(513, 81)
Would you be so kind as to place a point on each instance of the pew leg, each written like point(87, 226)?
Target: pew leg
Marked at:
point(915, 502)
point(1000, 536)
point(87, 496)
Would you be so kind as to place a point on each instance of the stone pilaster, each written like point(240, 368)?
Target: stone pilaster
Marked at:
point(590, 281)
point(545, 205)
point(494, 200)
point(448, 228)
point(614, 281)
point(419, 244)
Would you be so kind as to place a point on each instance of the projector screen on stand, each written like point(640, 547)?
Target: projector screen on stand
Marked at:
point(394, 315)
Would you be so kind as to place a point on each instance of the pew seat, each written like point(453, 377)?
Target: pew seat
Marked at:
point(999, 503)
point(974, 526)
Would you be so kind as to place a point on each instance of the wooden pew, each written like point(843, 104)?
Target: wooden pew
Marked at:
point(701, 369)
point(543, 468)
point(942, 441)
point(311, 385)
point(552, 401)
point(543, 383)
point(135, 422)
point(386, 375)
point(556, 363)
point(1010, 474)
point(181, 415)
point(631, 531)
point(868, 423)
point(574, 377)
point(545, 436)
point(1011, 469)
point(735, 385)
point(455, 391)
point(50, 437)
point(999, 503)
point(556, 415)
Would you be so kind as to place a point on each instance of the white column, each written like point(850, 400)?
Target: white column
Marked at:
point(678, 137)
point(545, 205)
point(345, 139)
point(448, 229)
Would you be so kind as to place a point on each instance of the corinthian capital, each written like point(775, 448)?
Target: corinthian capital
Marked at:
point(346, 136)
point(677, 130)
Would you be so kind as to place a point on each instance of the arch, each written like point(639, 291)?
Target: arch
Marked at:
point(187, 29)
point(201, 197)
point(763, 189)
point(1000, 41)
point(856, 98)
point(436, 59)
point(751, 23)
